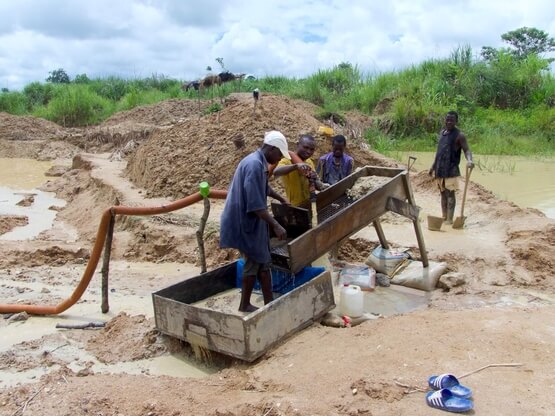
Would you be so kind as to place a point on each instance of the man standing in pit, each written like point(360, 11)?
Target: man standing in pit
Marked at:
point(445, 168)
point(245, 219)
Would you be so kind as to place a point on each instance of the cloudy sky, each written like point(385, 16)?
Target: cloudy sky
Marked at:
point(180, 38)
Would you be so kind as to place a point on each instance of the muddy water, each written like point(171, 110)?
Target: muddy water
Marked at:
point(528, 182)
point(18, 179)
point(88, 310)
point(22, 173)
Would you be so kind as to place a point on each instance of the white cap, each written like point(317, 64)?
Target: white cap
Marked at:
point(277, 139)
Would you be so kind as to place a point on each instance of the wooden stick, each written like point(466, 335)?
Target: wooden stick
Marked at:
point(413, 389)
point(200, 235)
point(82, 326)
point(492, 365)
point(105, 307)
point(22, 408)
point(58, 347)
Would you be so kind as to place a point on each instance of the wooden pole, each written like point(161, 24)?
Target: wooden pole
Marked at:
point(204, 190)
point(106, 264)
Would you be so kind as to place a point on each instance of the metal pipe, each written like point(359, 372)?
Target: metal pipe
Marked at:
point(97, 251)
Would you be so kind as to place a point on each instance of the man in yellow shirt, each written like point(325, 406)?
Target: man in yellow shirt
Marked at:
point(299, 179)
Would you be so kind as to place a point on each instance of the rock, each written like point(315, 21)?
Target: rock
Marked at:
point(22, 316)
point(56, 171)
point(451, 280)
point(382, 280)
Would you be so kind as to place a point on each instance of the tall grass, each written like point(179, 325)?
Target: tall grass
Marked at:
point(506, 106)
point(76, 105)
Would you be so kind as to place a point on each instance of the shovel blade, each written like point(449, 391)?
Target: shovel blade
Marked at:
point(459, 222)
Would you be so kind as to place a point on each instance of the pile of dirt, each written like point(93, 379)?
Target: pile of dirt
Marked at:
point(174, 161)
point(164, 113)
point(27, 128)
point(9, 222)
point(127, 338)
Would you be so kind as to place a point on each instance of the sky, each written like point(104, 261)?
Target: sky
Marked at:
point(180, 38)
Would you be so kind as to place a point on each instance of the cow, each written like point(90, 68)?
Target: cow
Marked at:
point(193, 84)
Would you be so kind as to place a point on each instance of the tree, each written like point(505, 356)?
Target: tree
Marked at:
point(528, 41)
point(81, 79)
point(58, 76)
point(523, 42)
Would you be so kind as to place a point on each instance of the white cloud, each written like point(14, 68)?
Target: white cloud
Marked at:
point(136, 38)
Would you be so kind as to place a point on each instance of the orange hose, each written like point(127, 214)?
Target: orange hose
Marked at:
point(97, 250)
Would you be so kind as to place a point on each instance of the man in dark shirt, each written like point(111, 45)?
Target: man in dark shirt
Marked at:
point(335, 165)
point(446, 164)
point(245, 218)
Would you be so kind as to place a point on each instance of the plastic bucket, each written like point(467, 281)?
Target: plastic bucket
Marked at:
point(434, 223)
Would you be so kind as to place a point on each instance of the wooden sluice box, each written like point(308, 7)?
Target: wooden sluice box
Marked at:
point(340, 214)
point(182, 311)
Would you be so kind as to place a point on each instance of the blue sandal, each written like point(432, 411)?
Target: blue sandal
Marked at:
point(444, 399)
point(449, 381)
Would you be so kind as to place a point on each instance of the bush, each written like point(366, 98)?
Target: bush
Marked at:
point(38, 94)
point(13, 103)
point(76, 105)
point(136, 98)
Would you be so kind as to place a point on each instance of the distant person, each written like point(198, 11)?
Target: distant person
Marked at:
point(445, 168)
point(335, 165)
point(300, 179)
point(245, 218)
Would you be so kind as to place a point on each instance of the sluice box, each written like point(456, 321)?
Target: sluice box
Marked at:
point(187, 311)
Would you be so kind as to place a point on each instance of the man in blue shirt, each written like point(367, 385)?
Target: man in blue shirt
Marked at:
point(245, 218)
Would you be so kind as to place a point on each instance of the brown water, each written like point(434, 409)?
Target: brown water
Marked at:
point(528, 182)
point(21, 174)
point(18, 178)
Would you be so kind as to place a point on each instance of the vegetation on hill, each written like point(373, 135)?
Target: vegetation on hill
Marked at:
point(505, 98)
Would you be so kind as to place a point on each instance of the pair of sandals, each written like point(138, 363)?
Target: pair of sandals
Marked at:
point(449, 394)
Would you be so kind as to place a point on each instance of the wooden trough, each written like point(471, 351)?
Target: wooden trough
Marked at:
point(339, 216)
point(179, 312)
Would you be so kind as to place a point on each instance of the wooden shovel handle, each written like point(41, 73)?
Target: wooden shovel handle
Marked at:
point(467, 179)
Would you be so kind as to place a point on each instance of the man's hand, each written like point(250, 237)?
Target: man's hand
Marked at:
point(285, 201)
point(431, 172)
point(470, 164)
point(279, 231)
point(304, 168)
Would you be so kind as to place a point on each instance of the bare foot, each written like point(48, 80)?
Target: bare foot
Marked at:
point(248, 308)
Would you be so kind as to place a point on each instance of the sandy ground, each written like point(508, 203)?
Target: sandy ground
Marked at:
point(504, 313)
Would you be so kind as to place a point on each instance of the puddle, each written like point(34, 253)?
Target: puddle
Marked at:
point(528, 182)
point(19, 178)
point(22, 173)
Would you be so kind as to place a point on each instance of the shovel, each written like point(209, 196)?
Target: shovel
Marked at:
point(459, 221)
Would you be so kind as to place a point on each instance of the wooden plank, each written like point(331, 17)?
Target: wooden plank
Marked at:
point(402, 208)
point(203, 286)
point(295, 220)
point(416, 223)
point(317, 241)
point(288, 314)
point(381, 235)
point(335, 191)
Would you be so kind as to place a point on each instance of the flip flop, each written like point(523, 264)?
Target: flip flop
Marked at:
point(445, 400)
point(449, 381)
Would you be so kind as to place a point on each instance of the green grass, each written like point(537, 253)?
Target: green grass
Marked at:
point(506, 107)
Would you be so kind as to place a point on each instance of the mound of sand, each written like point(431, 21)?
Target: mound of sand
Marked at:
point(27, 128)
point(172, 162)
